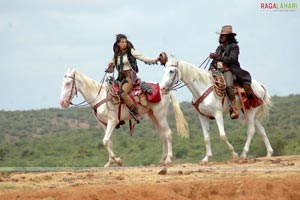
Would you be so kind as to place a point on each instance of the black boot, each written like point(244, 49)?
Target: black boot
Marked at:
point(134, 111)
point(234, 113)
point(122, 122)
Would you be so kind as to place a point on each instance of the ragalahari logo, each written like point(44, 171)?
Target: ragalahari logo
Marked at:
point(273, 6)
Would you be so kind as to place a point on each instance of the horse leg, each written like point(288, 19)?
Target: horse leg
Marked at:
point(220, 124)
point(165, 134)
point(250, 132)
point(261, 130)
point(117, 160)
point(108, 144)
point(206, 135)
point(167, 139)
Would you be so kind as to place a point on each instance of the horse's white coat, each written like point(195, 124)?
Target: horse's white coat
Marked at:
point(197, 81)
point(108, 112)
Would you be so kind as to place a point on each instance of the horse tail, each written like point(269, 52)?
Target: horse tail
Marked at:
point(181, 123)
point(263, 111)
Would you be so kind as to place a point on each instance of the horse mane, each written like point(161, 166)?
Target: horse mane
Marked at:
point(89, 82)
point(191, 72)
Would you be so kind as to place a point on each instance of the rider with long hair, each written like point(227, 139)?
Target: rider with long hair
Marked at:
point(124, 60)
point(225, 59)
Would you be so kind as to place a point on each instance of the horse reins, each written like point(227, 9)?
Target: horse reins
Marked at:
point(206, 59)
point(74, 86)
point(180, 84)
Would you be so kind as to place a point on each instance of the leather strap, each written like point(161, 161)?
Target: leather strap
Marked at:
point(119, 111)
point(201, 98)
point(96, 107)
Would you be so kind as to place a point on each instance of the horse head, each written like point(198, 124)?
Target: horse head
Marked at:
point(171, 75)
point(68, 89)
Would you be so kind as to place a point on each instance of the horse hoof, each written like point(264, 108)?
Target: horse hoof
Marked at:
point(235, 156)
point(205, 160)
point(161, 162)
point(163, 171)
point(107, 165)
point(168, 161)
point(119, 162)
point(269, 155)
point(244, 155)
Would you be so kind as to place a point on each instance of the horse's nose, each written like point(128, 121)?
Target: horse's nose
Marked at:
point(63, 103)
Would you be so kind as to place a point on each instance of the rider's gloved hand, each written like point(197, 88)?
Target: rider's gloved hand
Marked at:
point(110, 68)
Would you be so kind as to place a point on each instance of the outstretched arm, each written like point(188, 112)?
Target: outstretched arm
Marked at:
point(143, 58)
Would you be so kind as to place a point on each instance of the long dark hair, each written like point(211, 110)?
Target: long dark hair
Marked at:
point(230, 39)
point(116, 48)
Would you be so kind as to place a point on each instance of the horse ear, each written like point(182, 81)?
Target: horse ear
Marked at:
point(173, 58)
point(68, 70)
point(73, 70)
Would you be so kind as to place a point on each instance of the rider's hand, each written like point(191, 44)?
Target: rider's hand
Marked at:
point(212, 55)
point(109, 70)
point(109, 65)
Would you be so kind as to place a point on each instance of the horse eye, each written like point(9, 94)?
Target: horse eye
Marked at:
point(171, 71)
point(67, 83)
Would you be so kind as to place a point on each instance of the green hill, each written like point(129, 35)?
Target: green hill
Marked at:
point(73, 138)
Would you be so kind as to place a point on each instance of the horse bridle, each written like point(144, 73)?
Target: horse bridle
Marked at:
point(73, 86)
point(175, 81)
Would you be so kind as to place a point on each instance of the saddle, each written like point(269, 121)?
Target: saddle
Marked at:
point(138, 95)
point(220, 89)
point(247, 102)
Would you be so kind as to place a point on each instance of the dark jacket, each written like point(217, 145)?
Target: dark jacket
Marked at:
point(229, 55)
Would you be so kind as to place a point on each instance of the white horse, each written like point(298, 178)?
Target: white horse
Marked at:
point(198, 81)
point(107, 112)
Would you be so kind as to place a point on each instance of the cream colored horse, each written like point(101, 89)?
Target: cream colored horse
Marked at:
point(107, 112)
point(198, 81)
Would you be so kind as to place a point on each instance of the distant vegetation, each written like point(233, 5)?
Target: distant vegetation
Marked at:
point(73, 137)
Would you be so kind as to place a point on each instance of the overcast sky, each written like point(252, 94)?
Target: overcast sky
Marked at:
point(40, 40)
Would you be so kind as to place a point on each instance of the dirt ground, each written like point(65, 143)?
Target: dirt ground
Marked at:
point(260, 178)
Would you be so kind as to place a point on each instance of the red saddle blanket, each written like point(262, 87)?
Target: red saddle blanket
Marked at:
point(155, 97)
point(253, 102)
